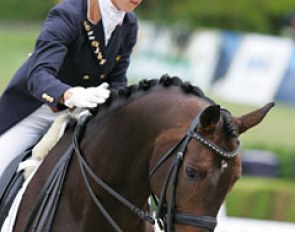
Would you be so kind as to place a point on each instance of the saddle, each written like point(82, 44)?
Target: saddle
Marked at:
point(13, 179)
point(10, 183)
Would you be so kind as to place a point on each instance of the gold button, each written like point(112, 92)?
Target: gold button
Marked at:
point(99, 56)
point(103, 61)
point(50, 99)
point(44, 96)
point(102, 76)
point(118, 58)
point(86, 26)
point(86, 77)
point(95, 43)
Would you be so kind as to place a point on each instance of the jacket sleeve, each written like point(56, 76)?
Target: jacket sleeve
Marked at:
point(117, 77)
point(51, 48)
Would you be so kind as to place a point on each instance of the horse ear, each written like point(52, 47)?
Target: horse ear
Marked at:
point(251, 119)
point(209, 117)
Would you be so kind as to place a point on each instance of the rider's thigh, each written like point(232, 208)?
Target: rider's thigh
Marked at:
point(23, 135)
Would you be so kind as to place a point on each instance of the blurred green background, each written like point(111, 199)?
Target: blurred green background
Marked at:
point(264, 16)
point(20, 23)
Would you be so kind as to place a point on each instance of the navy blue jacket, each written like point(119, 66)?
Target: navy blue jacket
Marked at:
point(69, 52)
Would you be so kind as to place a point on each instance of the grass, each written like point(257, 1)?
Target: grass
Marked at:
point(261, 198)
point(275, 133)
point(277, 129)
point(16, 42)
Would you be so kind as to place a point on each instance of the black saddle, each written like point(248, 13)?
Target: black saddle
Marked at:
point(10, 183)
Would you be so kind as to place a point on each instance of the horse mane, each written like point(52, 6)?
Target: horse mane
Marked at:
point(145, 85)
point(167, 81)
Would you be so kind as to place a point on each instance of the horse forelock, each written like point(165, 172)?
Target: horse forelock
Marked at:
point(229, 126)
point(145, 85)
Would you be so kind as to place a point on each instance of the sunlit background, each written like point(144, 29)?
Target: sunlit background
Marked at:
point(241, 53)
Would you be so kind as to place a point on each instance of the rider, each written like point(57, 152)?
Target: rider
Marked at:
point(83, 49)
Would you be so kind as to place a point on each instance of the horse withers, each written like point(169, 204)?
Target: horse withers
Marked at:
point(161, 137)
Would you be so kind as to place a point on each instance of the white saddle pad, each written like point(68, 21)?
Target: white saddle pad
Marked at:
point(30, 166)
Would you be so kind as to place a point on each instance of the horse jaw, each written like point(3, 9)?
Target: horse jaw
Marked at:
point(253, 118)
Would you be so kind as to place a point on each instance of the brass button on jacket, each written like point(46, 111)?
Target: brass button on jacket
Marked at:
point(86, 77)
point(47, 98)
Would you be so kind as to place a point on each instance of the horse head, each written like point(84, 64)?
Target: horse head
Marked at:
point(205, 166)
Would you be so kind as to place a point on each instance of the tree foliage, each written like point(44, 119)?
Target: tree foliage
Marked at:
point(16, 10)
point(264, 16)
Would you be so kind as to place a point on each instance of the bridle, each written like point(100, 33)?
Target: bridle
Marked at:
point(166, 215)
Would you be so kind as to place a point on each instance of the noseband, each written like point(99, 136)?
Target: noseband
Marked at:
point(167, 215)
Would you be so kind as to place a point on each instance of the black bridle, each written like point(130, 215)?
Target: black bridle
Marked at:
point(167, 215)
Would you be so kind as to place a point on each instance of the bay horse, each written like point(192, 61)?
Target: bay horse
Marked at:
point(160, 137)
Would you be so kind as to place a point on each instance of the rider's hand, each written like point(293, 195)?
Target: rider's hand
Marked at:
point(86, 97)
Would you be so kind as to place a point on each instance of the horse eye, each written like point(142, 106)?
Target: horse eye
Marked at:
point(191, 174)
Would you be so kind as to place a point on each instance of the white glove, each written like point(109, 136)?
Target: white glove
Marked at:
point(88, 97)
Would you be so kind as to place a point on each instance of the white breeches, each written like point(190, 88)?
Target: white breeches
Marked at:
point(24, 134)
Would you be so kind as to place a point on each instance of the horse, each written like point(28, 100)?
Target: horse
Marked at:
point(162, 137)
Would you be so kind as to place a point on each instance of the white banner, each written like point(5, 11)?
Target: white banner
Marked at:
point(203, 53)
point(163, 50)
point(256, 70)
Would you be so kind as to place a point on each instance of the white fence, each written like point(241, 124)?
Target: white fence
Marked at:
point(234, 224)
point(231, 224)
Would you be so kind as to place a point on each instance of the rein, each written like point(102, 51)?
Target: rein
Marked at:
point(85, 169)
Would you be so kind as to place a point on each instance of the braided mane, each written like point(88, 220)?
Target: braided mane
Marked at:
point(167, 81)
point(145, 85)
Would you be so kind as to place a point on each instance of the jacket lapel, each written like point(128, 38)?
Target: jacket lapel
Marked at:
point(93, 27)
point(95, 37)
point(115, 41)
